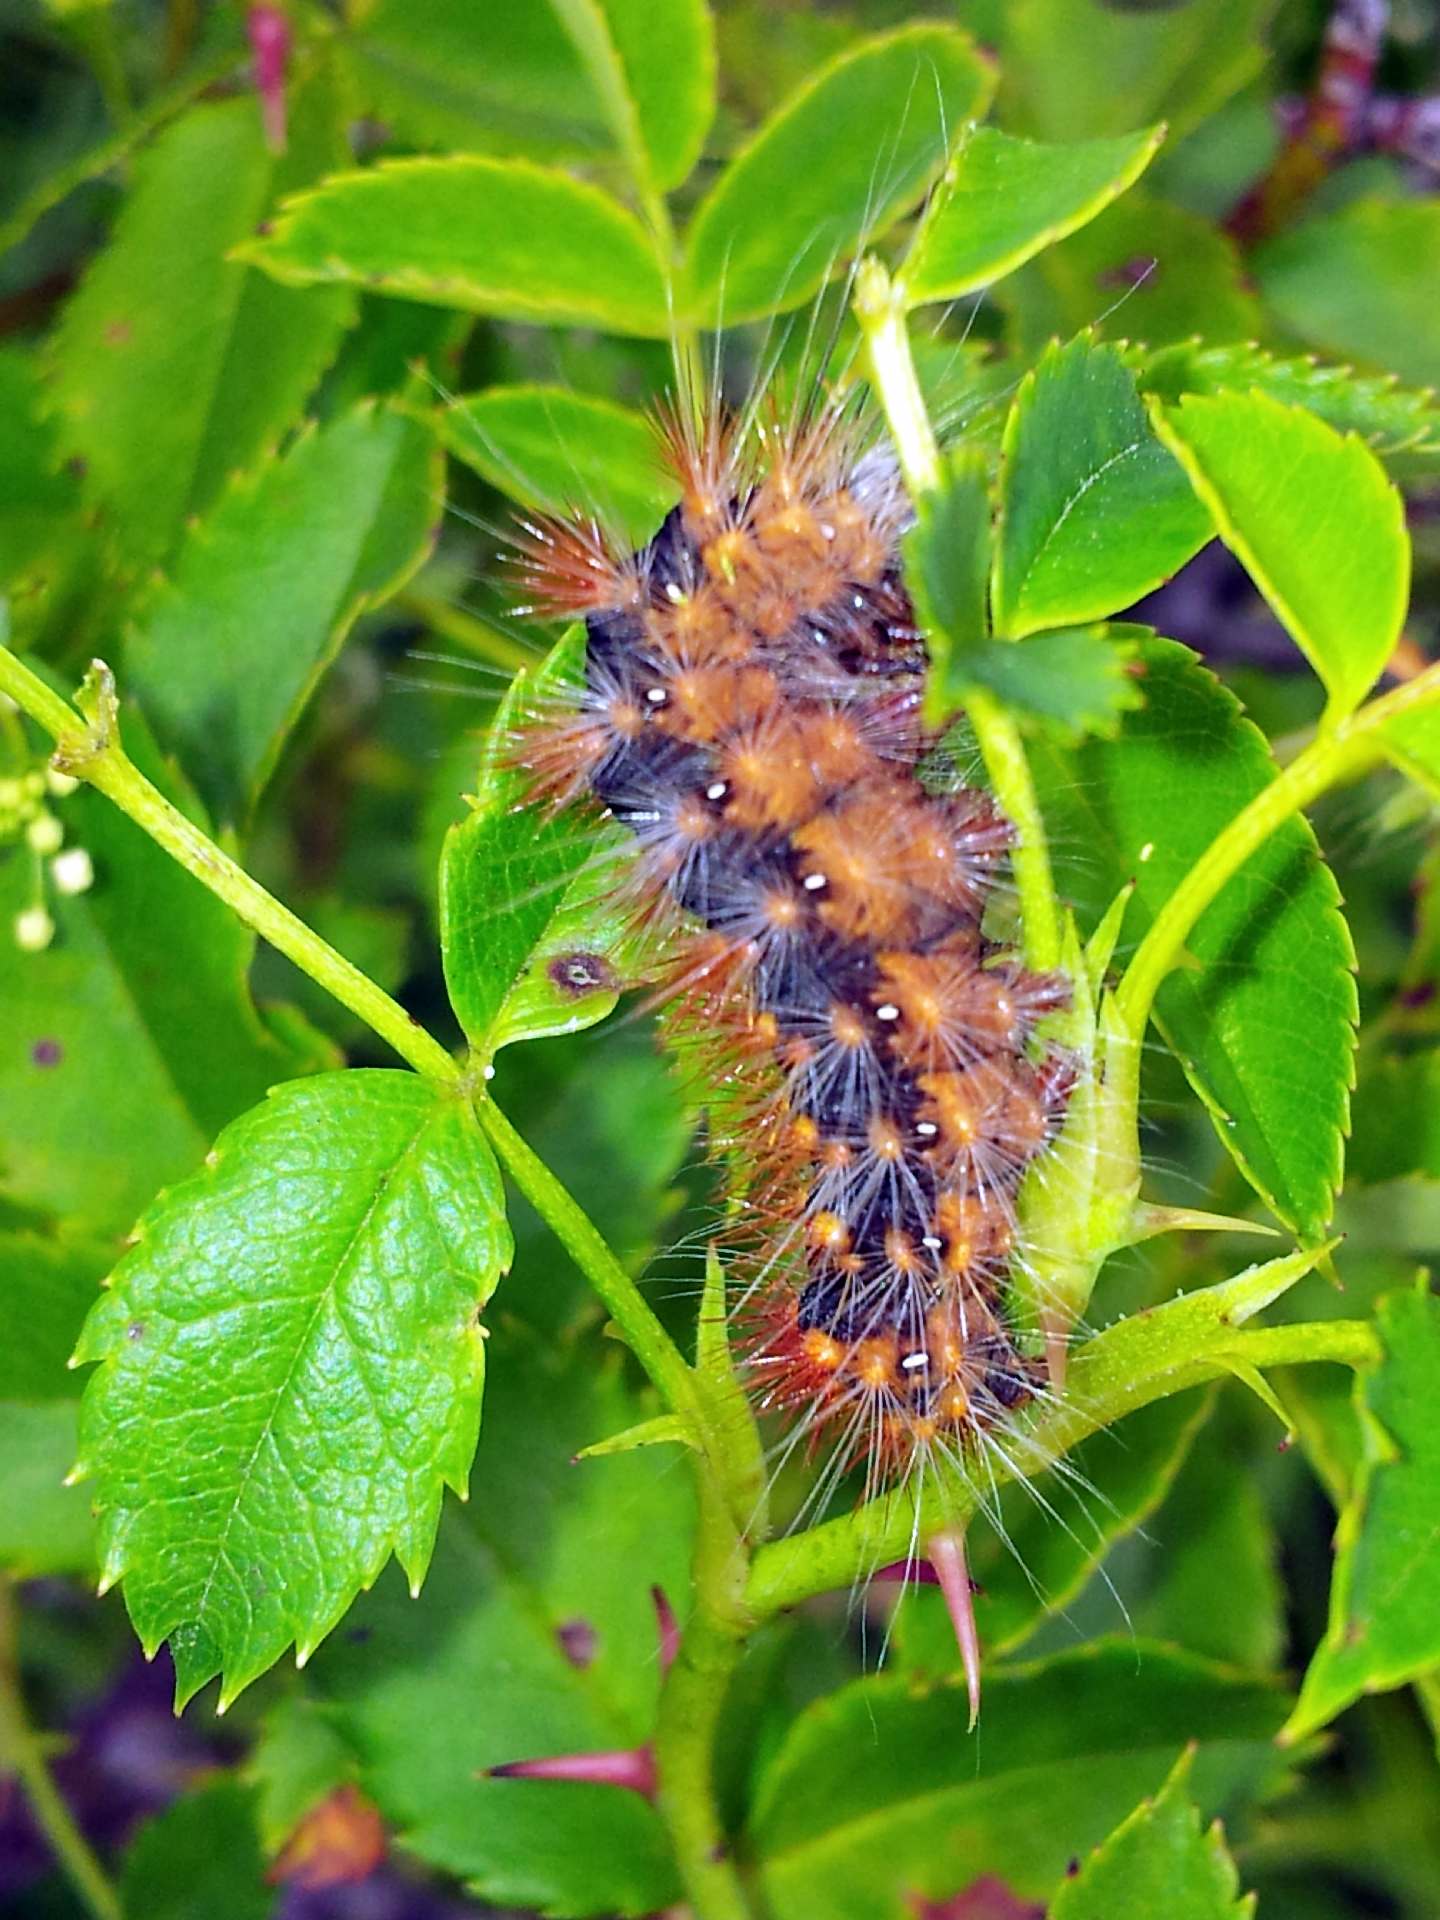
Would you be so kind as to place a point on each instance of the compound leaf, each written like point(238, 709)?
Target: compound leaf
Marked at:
point(290, 1368)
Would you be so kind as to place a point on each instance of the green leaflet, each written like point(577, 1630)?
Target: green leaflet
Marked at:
point(290, 1369)
point(502, 237)
point(298, 1758)
point(1158, 1861)
point(174, 365)
point(1398, 423)
point(1364, 281)
point(226, 653)
point(542, 1584)
point(200, 1856)
point(533, 937)
point(47, 1287)
point(1396, 1129)
point(1263, 1020)
point(1093, 511)
point(116, 1073)
point(1003, 200)
point(653, 69)
point(1384, 1628)
point(876, 1793)
point(45, 1526)
point(853, 149)
point(563, 452)
point(1319, 528)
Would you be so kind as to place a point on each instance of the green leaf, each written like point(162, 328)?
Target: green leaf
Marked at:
point(1093, 510)
point(1049, 1537)
point(1070, 683)
point(226, 653)
point(1364, 281)
point(537, 1635)
point(118, 1064)
point(852, 150)
point(1158, 1861)
point(1412, 742)
point(1075, 68)
point(1145, 270)
point(1319, 528)
point(291, 1369)
point(46, 1289)
point(532, 935)
point(947, 561)
point(39, 507)
point(654, 69)
point(507, 82)
point(1263, 1019)
point(1003, 200)
point(1393, 420)
point(563, 452)
point(1384, 1627)
point(299, 1758)
point(201, 1855)
point(877, 1795)
point(1396, 1130)
point(174, 365)
point(45, 1526)
point(501, 237)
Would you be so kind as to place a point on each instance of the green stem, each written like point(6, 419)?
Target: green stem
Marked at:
point(21, 1752)
point(880, 311)
point(843, 1551)
point(1350, 748)
point(87, 745)
point(572, 1227)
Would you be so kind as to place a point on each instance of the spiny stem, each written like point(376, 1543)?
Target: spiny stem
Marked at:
point(87, 745)
point(20, 1752)
point(1350, 748)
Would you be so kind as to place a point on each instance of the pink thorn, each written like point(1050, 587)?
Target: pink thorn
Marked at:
point(669, 1628)
point(632, 1767)
point(269, 35)
point(907, 1573)
point(947, 1556)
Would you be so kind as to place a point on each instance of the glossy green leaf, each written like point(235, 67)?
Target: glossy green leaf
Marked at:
point(200, 1856)
point(1384, 1626)
point(1076, 68)
point(1396, 1130)
point(1003, 200)
point(1144, 270)
point(225, 654)
point(1093, 511)
point(853, 149)
point(1053, 1534)
point(507, 81)
point(1320, 529)
point(46, 1289)
point(174, 365)
point(653, 69)
point(116, 1072)
point(1263, 1019)
point(1364, 281)
point(1070, 683)
point(546, 1644)
point(532, 936)
point(1158, 1861)
point(563, 452)
point(291, 1368)
point(947, 565)
point(501, 237)
point(1393, 420)
point(878, 1794)
point(45, 1526)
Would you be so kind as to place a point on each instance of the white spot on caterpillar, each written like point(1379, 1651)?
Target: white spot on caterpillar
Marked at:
point(914, 1360)
point(927, 1128)
point(717, 790)
point(657, 696)
point(888, 1012)
point(813, 882)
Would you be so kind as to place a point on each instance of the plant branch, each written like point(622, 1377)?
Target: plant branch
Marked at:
point(20, 1752)
point(880, 310)
point(1105, 1385)
point(87, 745)
point(581, 1239)
point(1350, 748)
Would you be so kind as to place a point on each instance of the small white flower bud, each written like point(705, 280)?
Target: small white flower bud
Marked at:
point(60, 784)
point(45, 834)
point(71, 871)
point(34, 930)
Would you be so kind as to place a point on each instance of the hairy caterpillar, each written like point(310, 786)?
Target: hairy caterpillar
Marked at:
point(751, 713)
